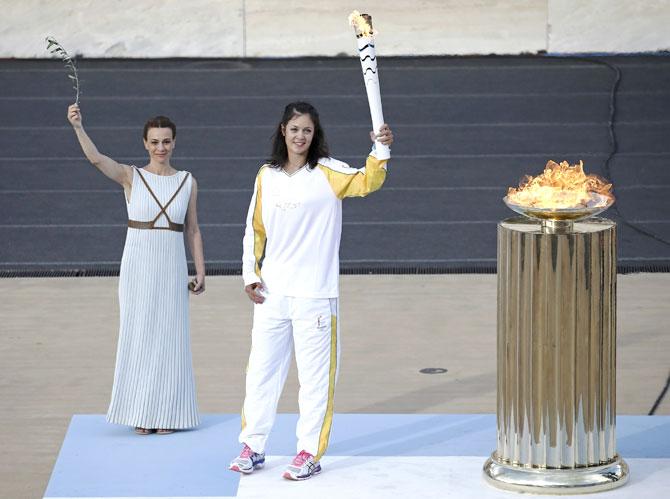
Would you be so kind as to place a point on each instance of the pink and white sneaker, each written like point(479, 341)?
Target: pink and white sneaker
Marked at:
point(303, 467)
point(247, 461)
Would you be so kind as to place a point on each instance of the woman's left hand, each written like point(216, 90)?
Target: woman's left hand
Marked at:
point(198, 284)
point(385, 135)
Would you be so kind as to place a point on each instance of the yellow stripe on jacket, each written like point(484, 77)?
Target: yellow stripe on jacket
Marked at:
point(351, 182)
point(255, 237)
point(259, 228)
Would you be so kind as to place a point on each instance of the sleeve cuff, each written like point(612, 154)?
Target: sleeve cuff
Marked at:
point(250, 278)
point(383, 153)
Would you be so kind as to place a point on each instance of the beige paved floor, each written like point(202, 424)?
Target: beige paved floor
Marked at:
point(59, 335)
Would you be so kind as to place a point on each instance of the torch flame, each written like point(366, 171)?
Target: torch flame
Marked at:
point(360, 24)
point(562, 186)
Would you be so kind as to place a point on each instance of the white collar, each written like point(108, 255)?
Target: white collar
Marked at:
point(295, 172)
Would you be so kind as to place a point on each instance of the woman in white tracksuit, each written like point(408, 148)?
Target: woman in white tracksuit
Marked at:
point(290, 268)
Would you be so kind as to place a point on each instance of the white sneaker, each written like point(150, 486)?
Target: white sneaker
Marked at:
point(247, 461)
point(303, 467)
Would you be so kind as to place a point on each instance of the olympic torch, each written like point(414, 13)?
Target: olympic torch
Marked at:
point(362, 24)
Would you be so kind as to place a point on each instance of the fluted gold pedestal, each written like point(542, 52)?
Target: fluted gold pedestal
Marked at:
point(556, 481)
point(556, 404)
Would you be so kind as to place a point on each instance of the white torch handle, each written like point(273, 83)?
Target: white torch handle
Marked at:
point(368, 56)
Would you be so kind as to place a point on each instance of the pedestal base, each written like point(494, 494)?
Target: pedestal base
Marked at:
point(556, 481)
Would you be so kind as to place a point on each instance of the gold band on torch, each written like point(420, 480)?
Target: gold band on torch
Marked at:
point(362, 24)
point(556, 403)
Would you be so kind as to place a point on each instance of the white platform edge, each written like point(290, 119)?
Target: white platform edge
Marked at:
point(428, 477)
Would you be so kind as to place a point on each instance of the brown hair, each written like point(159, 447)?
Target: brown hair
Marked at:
point(159, 122)
point(317, 149)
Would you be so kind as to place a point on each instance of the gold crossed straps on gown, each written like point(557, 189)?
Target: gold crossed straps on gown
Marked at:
point(152, 225)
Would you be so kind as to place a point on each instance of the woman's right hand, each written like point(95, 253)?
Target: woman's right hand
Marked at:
point(74, 115)
point(254, 290)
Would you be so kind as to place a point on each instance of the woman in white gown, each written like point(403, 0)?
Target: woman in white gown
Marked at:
point(154, 389)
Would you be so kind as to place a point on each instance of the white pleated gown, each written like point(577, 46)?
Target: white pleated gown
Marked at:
point(153, 379)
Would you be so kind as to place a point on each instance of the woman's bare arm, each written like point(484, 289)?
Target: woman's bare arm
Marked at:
point(195, 239)
point(122, 174)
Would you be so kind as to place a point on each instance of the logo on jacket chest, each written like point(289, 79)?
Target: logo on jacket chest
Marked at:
point(297, 195)
point(286, 205)
point(285, 200)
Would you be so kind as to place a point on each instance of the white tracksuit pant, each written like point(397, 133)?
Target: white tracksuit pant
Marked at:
point(282, 323)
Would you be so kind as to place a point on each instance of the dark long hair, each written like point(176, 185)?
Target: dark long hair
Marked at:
point(317, 149)
point(159, 122)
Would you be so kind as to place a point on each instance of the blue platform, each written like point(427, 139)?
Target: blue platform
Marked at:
point(100, 460)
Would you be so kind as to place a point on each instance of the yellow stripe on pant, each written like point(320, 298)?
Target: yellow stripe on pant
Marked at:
point(324, 435)
point(242, 416)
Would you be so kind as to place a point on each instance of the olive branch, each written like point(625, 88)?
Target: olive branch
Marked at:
point(56, 48)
